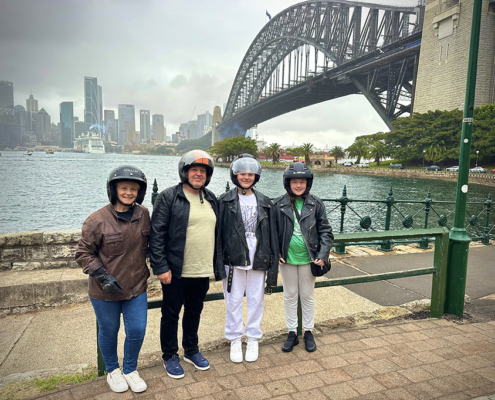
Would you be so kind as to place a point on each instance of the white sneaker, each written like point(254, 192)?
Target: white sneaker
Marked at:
point(236, 351)
point(252, 350)
point(136, 383)
point(116, 381)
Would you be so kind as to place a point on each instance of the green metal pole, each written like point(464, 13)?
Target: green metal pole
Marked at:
point(340, 248)
point(387, 244)
point(154, 194)
point(423, 243)
point(486, 230)
point(299, 317)
point(101, 364)
point(458, 237)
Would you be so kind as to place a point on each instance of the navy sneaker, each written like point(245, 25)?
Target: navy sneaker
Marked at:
point(172, 365)
point(291, 341)
point(309, 341)
point(198, 360)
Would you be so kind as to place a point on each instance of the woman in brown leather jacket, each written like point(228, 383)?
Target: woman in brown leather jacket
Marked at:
point(113, 250)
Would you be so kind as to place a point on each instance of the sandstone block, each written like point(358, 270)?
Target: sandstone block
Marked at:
point(21, 239)
point(54, 264)
point(72, 264)
point(64, 251)
point(26, 266)
point(5, 266)
point(37, 253)
point(62, 236)
point(11, 254)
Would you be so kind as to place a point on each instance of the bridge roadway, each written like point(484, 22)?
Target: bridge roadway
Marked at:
point(369, 74)
point(409, 359)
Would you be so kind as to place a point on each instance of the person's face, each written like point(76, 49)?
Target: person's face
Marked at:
point(246, 179)
point(196, 175)
point(127, 192)
point(298, 186)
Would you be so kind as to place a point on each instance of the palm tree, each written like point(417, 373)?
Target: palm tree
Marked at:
point(275, 152)
point(379, 151)
point(358, 149)
point(337, 152)
point(436, 151)
point(307, 148)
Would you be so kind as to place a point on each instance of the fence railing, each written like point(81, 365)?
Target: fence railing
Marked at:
point(438, 270)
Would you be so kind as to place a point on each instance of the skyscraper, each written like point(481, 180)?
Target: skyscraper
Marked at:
point(144, 118)
point(126, 114)
point(158, 128)
point(66, 121)
point(111, 125)
point(31, 104)
point(92, 96)
point(43, 122)
point(204, 123)
point(10, 131)
point(217, 118)
point(130, 132)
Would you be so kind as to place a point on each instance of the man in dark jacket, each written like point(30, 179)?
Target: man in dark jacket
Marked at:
point(184, 255)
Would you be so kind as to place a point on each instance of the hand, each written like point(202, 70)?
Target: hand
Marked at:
point(108, 283)
point(166, 277)
point(281, 261)
point(319, 262)
point(268, 289)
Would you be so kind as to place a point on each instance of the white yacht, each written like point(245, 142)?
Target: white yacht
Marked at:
point(90, 142)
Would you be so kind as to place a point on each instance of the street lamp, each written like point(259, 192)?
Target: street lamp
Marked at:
point(477, 152)
point(424, 151)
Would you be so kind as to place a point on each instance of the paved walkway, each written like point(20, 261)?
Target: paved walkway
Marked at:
point(410, 359)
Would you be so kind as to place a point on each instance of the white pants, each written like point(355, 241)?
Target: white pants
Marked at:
point(253, 283)
point(298, 281)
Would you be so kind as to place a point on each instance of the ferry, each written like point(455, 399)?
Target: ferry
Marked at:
point(90, 142)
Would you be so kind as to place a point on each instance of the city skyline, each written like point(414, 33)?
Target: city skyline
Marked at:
point(155, 64)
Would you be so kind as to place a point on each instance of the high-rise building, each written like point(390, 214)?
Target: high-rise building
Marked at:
point(10, 130)
point(130, 132)
point(66, 121)
point(192, 130)
point(92, 96)
point(204, 122)
point(100, 104)
point(126, 114)
point(79, 129)
point(31, 104)
point(158, 128)
point(217, 118)
point(145, 128)
point(110, 124)
point(43, 126)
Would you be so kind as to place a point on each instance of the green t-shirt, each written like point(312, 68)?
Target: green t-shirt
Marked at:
point(298, 252)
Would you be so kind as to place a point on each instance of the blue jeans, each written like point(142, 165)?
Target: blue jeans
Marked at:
point(135, 314)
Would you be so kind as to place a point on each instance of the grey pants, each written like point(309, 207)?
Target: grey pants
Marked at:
point(298, 281)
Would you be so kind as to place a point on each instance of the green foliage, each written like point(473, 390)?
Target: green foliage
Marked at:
point(203, 143)
point(379, 151)
point(295, 151)
point(45, 385)
point(307, 149)
point(275, 151)
point(231, 147)
point(160, 150)
point(359, 149)
point(337, 152)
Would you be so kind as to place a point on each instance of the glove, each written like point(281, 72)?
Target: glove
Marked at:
point(108, 282)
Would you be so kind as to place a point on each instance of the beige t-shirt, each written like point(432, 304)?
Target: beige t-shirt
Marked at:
point(200, 239)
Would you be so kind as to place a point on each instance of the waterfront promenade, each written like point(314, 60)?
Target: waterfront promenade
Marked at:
point(370, 345)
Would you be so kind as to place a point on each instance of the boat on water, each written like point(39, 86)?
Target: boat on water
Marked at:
point(48, 151)
point(90, 142)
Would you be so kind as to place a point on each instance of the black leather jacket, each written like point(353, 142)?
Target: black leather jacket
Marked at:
point(315, 228)
point(168, 232)
point(235, 250)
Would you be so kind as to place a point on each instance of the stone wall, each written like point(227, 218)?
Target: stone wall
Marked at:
point(443, 61)
point(27, 251)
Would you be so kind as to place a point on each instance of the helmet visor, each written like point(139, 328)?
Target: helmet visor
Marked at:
point(246, 166)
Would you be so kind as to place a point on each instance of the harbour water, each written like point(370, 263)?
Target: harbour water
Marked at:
point(58, 191)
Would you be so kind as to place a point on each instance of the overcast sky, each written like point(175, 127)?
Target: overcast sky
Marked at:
point(165, 56)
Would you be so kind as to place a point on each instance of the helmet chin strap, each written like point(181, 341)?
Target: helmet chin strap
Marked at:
point(200, 190)
point(125, 205)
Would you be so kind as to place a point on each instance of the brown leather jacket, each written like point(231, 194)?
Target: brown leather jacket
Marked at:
point(118, 245)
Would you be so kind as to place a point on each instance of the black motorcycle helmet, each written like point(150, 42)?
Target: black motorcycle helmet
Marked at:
point(298, 170)
point(126, 173)
point(196, 157)
point(245, 163)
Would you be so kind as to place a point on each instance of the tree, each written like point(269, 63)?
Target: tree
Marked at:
point(275, 151)
point(307, 149)
point(337, 152)
point(379, 151)
point(231, 147)
point(358, 149)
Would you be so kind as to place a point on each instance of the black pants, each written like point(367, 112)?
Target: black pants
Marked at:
point(191, 293)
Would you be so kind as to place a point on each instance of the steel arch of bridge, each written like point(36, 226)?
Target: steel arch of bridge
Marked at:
point(331, 33)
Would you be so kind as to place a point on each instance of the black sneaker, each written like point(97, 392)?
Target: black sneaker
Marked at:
point(309, 341)
point(291, 341)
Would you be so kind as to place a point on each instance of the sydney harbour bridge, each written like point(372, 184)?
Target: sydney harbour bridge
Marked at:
point(316, 51)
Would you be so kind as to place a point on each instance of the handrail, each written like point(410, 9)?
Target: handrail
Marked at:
point(439, 272)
